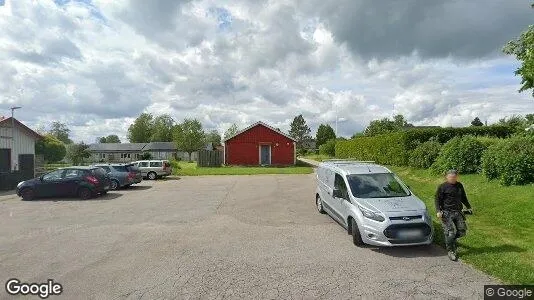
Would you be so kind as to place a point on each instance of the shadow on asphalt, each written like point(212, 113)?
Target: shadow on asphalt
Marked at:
point(137, 188)
point(108, 196)
point(7, 193)
point(411, 251)
point(465, 249)
point(169, 178)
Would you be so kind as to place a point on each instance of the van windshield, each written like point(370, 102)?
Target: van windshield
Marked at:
point(378, 185)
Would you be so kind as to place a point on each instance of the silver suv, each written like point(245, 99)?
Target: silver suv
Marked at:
point(153, 169)
point(372, 203)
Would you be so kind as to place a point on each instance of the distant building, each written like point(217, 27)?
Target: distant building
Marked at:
point(128, 152)
point(17, 147)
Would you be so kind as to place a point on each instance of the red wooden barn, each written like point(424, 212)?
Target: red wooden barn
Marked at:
point(259, 144)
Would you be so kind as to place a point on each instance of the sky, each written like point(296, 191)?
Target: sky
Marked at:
point(97, 64)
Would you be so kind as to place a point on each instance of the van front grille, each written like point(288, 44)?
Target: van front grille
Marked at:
point(392, 231)
point(406, 218)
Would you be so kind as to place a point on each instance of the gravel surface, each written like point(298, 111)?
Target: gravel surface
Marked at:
point(213, 237)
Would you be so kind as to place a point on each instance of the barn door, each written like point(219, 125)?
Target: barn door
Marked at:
point(5, 160)
point(265, 154)
point(26, 166)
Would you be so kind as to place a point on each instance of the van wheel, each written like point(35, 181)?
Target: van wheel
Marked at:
point(114, 185)
point(152, 176)
point(356, 236)
point(27, 194)
point(84, 193)
point(319, 204)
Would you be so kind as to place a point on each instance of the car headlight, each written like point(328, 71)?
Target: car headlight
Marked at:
point(371, 214)
point(20, 183)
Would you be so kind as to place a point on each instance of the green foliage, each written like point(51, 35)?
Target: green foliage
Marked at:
point(189, 136)
point(523, 49)
point(300, 131)
point(51, 148)
point(460, 153)
point(112, 138)
point(146, 156)
point(328, 148)
point(162, 128)
point(231, 131)
point(325, 132)
point(383, 149)
point(511, 161)
point(214, 137)
point(140, 131)
point(477, 122)
point(488, 141)
point(60, 131)
point(386, 125)
point(425, 154)
point(516, 123)
point(76, 153)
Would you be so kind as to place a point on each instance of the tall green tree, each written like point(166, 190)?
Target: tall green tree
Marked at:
point(476, 122)
point(140, 131)
point(60, 131)
point(214, 137)
point(76, 153)
point(300, 131)
point(52, 149)
point(325, 132)
point(112, 138)
point(386, 125)
point(523, 49)
point(231, 131)
point(162, 129)
point(189, 136)
point(516, 122)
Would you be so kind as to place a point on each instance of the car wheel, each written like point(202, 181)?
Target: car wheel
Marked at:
point(114, 185)
point(152, 176)
point(319, 204)
point(84, 193)
point(27, 194)
point(356, 236)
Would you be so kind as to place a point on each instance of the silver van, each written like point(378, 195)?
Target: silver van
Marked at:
point(153, 169)
point(372, 203)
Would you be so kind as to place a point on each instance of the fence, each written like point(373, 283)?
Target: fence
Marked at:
point(210, 158)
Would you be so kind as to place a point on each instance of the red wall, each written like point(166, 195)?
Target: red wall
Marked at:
point(243, 149)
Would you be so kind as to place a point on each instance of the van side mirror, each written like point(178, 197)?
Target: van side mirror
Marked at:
point(337, 193)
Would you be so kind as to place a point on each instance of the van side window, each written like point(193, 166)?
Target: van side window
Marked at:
point(339, 183)
point(143, 164)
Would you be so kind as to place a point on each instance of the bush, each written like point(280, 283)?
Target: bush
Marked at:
point(460, 153)
point(488, 141)
point(175, 164)
point(511, 161)
point(328, 148)
point(425, 154)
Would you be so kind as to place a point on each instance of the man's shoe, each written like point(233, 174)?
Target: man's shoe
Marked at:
point(452, 256)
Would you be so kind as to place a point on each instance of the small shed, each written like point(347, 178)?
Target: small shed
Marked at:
point(260, 144)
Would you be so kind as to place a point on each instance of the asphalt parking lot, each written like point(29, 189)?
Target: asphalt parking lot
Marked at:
point(213, 237)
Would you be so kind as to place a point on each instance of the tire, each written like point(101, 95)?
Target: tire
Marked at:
point(356, 236)
point(152, 175)
point(84, 193)
point(319, 204)
point(114, 185)
point(27, 194)
point(104, 193)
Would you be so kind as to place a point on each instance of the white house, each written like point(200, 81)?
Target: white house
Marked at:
point(17, 146)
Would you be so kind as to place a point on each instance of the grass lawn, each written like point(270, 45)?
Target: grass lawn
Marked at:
point(191, 169)
point(500, 235)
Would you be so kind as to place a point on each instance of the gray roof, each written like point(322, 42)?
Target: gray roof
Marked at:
point(170, 146)
point(117, 147)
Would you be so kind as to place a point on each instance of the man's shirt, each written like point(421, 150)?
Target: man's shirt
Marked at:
point(451, 197)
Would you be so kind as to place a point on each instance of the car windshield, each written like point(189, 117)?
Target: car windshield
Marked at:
point(99, 171)
point(378, 185)
point(120, 168)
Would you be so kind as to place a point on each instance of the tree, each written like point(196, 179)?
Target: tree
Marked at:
point(51, 148)
point(231, 131)
point(162, 129)
point(77, 152)
point(325, 132)
point(189, 136)
point(386, 125)
point(514, 122)
point(357, 134)
point(400, 122)
point(477, 122)
point(112, 138)
point(523, 49)
point(213, 137)
point(140, 131)
point(60, 131)
point(300, 131)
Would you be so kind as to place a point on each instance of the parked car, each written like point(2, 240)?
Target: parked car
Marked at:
point(121, 175)
point(84, 182)
point(372, 203)
point(153, 169)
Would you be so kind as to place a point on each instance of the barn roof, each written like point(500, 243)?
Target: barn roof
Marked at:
point(257, 124)
point(24, 127)
point(160, 146)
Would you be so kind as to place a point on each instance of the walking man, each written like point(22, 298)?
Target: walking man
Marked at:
point(450, 199)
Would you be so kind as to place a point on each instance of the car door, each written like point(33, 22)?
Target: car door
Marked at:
point(338, 204)
point(71, 181)
point(143, 166)
point(50, 185)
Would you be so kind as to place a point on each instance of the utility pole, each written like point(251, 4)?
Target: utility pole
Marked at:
point(13, 135)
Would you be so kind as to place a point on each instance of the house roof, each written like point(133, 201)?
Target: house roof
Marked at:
point(258, 124)
point(117, 147)
point(160, 146)
point(24, 127)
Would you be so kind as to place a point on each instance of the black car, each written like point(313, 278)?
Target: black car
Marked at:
point(84, 182)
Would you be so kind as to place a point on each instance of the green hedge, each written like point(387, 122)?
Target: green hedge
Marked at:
point(460, 153)
point(511, 161)
point(395, 148)
point(328, 148)
point(425, 154)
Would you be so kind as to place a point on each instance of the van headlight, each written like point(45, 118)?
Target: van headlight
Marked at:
point(371, 214)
